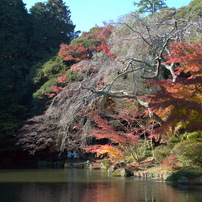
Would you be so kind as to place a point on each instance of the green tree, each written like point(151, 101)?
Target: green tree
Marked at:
point(151, 6)
point(15, 31)
point(88, 39)
point(52, 26)
point(43, 77)
point(24, 39)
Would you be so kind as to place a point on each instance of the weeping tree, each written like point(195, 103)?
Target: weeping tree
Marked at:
point(140, 46)
point(62, 126)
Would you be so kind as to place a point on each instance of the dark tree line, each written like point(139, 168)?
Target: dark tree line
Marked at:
point(26, 38)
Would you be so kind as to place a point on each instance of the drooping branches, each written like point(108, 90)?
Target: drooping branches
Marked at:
point(147, 40)
point(66, 119)
point(142, 44)
point(123, 133)
point(144, 53)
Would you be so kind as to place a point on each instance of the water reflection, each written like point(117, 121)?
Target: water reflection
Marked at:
point(64, 185)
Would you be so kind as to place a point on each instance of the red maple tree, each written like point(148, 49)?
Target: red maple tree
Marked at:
point(78, 52)
point(123, 138)
point(179, 102)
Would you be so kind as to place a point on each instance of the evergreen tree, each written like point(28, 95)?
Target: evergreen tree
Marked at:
point(24, 39)
point(52, 26)
point(151, 6)
point(14, 58)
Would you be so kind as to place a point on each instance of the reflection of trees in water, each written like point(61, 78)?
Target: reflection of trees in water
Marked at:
point(51, 192)
point(74, 185)
point(113, 190)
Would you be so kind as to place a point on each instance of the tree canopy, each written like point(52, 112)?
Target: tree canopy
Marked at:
point(150, 6)
point(15, 34)
point(52, 25)
point(26, 38)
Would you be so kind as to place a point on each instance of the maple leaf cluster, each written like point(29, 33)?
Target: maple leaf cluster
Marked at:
point(75, 53)
point(179, 102)
point(170, 163)
point(117, 140)
point(107, 131)
point(79, 52)
point(121, 139)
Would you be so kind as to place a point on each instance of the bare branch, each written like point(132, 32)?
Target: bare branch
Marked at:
point(170, 68)
point(138, 34)
point(140, 61)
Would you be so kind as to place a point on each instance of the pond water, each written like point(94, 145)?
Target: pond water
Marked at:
point(85, 185)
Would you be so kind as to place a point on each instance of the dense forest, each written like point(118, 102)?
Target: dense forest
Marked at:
point(126, 91)
point(28, 40)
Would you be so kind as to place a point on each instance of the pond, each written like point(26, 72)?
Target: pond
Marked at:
point(85, 185)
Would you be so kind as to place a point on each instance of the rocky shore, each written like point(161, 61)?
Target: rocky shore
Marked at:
point(185, 176)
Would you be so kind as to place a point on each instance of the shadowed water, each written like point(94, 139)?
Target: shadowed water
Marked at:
point(75, 185)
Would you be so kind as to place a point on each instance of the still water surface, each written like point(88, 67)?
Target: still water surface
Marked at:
point(75, 185)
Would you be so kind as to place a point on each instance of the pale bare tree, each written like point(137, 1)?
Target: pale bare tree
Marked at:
point(140, 44)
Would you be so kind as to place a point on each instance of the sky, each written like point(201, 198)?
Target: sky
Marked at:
point(85, 14)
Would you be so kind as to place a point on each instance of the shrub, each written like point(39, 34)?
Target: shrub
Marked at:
point(189, 174)
point(189, 152)
point(147, 153)
point(171, 163)
point(160, 153)
point(72, 75)
point(172, 141)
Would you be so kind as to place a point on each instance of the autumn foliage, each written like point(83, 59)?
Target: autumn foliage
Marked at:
point(81, 51)
point(170, 163)
point(61, 83)
point(117, 140)
point(75, 53)
point(102, 103)
point(179, 102)
point(122, 138)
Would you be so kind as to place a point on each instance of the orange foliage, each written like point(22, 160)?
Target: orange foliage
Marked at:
point(188, 55)
point(111, 150)
point(181, 100)
point(118, 140)
point(78, 52)
point(75, 53)
point(107, 131)
point(62, 79)
point(62, 82)
point(170, 163)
